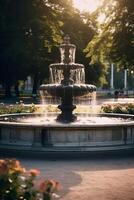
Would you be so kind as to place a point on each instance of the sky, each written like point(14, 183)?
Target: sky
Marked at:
point(86, 5)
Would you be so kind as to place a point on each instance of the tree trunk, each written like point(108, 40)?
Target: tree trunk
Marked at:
point(35, 84)
point(16, 87)
point(7, 89)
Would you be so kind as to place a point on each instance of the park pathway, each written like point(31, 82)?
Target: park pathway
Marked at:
point(89, 179)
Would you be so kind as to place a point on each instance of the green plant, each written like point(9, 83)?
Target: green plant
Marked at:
point(118, 108)
point(17, 183)
point(19, 107)
point(106, 108)
point(130, 108)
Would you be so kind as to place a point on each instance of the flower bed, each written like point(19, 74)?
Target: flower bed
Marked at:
point(19, 107)
point(17, 183)
point(118, 108)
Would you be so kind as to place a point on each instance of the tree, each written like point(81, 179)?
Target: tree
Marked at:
point(114, 40)
point(29, 34)
point(27, 30)
point(81, 28)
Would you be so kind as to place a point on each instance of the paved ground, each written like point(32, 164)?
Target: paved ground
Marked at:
point(90, 179)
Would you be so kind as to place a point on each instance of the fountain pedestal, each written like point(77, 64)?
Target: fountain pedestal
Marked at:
point(66, 105)
point(66, 108)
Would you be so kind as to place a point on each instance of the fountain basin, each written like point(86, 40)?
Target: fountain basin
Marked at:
point(80, 136)
point(59, 90)
point(66, 93)
point(72, 66)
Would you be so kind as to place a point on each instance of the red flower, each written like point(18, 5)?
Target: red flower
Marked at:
point(49, 186)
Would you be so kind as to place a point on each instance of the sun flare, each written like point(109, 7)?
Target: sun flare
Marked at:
point(86, 5)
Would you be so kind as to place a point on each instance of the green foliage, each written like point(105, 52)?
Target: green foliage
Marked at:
point(19, 107)
point(118, 108)
point(96, 74)
point(81, 28)
point(130, 108)
point(106, 108)
point(28, 30)
point(114, 40)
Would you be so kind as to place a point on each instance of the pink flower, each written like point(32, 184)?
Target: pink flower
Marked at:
point(49, 186)
point(3, 167)
point(34, 172)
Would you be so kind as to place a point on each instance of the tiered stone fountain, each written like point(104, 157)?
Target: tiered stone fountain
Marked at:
point(64, 132)
point(67, 81)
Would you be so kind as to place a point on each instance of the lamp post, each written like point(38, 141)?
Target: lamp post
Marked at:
point(125, 81)
point(112, 78)
point(132, 76)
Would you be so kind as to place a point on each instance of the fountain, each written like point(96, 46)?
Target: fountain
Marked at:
point(68, 80)
point(66, 131)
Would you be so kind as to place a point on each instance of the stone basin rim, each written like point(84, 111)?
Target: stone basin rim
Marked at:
point(66, 125)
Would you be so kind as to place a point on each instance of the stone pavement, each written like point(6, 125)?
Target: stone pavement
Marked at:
point(110, 178)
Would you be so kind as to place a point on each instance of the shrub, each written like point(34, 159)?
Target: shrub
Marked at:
point(130, 108)
point(17, 183)
point(19, 107)
point(118, 108)
point(106, 108)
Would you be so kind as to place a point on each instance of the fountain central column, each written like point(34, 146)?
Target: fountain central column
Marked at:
point(67, 106)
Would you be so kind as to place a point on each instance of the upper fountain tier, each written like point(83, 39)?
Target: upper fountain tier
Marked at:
point(67, 75)
point(74, 73)
point(67, 52)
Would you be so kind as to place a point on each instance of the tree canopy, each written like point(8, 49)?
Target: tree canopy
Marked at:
point(114, 40)
point(30, 32)
point(28, 29)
